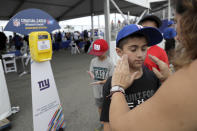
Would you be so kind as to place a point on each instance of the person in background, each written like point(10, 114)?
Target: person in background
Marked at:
point(10, 41)
point(3, 40)
point(173, 107)
point(169, 36)
point(85, 35)
point(101, 67)
point(58, 40)
point(153, 21)
point(87, 46)
point(76, 37)
point(171, 23)
point(17, 41)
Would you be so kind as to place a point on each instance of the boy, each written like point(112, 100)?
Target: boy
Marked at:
point(101, 67)
point(133, 40)
point(154, 21)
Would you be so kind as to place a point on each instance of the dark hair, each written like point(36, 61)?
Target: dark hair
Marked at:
point(169, 44)
point(152, 18)
point(179, 7)
point(124, 41)
point(187, 50)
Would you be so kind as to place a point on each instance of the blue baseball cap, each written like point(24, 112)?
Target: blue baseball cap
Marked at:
point(169, 33)
point(170, 22)
point(153, 35)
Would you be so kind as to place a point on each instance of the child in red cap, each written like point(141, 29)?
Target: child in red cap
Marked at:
point(101, 67)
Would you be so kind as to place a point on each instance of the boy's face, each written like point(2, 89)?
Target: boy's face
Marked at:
point(149, 23)
point(136, 49)
point(103, 55)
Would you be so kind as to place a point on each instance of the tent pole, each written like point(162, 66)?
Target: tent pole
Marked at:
point(92, 23)
point(99, 30)
point(107, 23)
point(98, 22)
point(113, 2)
point(115, 20)
point(145, 11)
point(169, 10)
point(164, 12)
point(128, 19)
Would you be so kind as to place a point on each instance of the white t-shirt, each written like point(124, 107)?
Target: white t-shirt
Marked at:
point(101, 70)
point(76, 36)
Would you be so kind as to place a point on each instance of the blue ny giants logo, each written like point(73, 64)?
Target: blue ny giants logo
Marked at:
point(44, 84)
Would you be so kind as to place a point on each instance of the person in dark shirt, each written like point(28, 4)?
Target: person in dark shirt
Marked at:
point(3, 40)
point(133, 40)
point(17, 41)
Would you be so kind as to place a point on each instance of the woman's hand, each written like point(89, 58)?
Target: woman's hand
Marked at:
point(122, 76)
point(164, 72)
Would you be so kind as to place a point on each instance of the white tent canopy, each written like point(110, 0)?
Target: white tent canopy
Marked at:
point(142, 3)
point(68, 9)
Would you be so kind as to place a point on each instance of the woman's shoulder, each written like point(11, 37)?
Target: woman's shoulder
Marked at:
point(175, 101)
point(184, 79)
point(192, 69)
point(179, 93)
point(187, 74)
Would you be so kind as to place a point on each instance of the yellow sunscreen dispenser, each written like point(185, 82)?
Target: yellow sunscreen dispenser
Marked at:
point(40, 46)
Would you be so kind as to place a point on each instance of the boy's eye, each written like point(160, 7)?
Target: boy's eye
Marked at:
point(143, 49)
point(133, 49)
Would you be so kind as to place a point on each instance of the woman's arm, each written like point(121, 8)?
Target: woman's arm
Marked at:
point(118, 108)
point(172, 108)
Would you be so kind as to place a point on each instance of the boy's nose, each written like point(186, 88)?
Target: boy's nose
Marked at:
point(139, 53)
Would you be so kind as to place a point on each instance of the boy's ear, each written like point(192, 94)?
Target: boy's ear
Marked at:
point(119, 52)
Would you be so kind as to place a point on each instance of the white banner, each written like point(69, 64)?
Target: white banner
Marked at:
point(5, 107)
point(47, 110)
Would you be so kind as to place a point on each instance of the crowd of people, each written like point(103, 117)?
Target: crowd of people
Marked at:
point(11, 43)
point(17, 41)
point(81, 40)
point(75, 37)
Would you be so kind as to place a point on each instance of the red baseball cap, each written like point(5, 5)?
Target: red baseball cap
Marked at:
point(99, 47)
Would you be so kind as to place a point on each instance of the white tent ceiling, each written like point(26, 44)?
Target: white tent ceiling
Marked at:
point(143, 3)
point(68, 9)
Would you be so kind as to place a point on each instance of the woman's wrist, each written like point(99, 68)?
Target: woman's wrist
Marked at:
point(116, 89)
point(117, 93)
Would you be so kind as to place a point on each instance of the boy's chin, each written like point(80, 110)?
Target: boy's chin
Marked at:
point(136, 66)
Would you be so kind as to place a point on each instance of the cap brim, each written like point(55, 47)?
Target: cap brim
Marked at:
point(92, 52)
point(153, 35)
